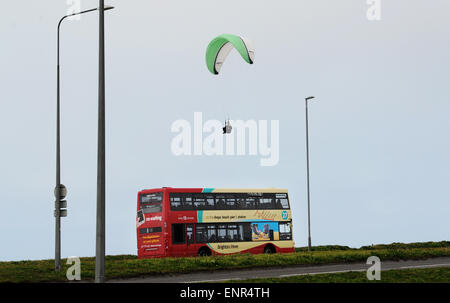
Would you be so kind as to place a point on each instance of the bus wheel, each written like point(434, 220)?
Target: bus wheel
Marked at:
point(204, 251)
point(269, 249)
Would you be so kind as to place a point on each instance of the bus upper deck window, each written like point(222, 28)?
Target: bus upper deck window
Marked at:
point(210, 202)
point(284, 203)
point(175, 202)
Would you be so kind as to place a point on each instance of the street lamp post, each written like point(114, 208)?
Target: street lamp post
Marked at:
point(59, 187)
point(100, 234)
point(307, 172)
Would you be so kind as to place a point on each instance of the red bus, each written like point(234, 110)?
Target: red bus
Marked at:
point(175, 222)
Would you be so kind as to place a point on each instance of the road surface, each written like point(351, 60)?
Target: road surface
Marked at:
point(271, 272)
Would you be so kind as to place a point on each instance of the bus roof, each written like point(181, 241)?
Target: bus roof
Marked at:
point(245, 190)
point(222, 190)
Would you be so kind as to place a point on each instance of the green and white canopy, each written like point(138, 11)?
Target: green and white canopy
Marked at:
point(219, 48)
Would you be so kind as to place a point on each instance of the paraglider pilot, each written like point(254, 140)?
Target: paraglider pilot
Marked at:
point(227, 128)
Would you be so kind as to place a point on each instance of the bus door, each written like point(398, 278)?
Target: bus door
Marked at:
point(182, 237)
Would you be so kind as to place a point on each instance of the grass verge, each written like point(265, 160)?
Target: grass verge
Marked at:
point(128, 266)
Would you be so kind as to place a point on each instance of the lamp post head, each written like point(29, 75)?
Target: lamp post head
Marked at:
point(309, 98)
point(84, 12)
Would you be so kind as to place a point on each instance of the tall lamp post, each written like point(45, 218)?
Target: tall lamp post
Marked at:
point(307, 172)
point(100, 234)
point(60, 190)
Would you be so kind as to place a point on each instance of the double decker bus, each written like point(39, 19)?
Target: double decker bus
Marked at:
point(175, 222)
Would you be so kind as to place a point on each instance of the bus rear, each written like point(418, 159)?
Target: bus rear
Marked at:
point(151, 238)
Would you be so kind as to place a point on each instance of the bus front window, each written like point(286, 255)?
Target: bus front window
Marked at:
point(151, 203)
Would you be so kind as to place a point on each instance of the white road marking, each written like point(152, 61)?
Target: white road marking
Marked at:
point(322, 272)
point(215, 280)
point(425, 266)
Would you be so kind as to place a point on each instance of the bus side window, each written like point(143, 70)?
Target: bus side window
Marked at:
point(284, 203)
point(240, 232)
point(209, 202)
point(240, 203)
point(285, 231)
point(190, 233)
point(222, 232)
point(212, 235)
point(220, 202)
point(265, 203)
point(250, 203)
point(278, 204)
point(230, 202)
point(232, 233)
point(187, 202)
point(175, 202)
point(247, 231)
point(201, 233)
point(199, 202)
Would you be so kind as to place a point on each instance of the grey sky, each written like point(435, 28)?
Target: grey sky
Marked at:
point(379, 143)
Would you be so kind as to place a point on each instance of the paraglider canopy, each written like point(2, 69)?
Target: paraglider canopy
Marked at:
point(219, 48)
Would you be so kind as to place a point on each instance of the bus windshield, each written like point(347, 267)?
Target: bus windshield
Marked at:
point(151, 203)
